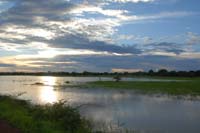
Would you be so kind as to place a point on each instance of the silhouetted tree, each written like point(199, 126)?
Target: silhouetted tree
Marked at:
point(162, 72)
point(117, 78)
point(151, 72)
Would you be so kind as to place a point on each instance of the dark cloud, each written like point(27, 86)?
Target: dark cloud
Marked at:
point(166, 47)
point(6, 65)
point(106, 63)
point(79, 42)
point(25, 12)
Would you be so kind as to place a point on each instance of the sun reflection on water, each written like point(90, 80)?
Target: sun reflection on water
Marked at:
point(47, 93)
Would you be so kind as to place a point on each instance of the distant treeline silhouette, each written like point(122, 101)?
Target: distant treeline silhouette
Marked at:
point(162, 72)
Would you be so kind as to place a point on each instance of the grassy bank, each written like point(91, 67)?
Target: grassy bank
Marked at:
point(186, 87)
point(55, 118)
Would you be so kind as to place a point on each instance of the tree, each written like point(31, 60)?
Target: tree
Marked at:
point(117, 78)
point(162, 72)
point(151, 72)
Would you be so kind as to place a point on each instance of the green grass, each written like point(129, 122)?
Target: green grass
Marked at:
point(29, 118)
point(187, 87)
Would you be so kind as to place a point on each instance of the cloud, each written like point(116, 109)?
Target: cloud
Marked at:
point(84, 8)
point(126, 1)
point(121, 70)
point(49, 21)
point(29, 62)
point(189, 55)
point(6, 65)
point(144, 62)
point(162, 49)
point(79, 42)
point(168, 47)
point(40, 33)
point(45, 58)
point(158, 16)
point(54, 22)
point(193, 38)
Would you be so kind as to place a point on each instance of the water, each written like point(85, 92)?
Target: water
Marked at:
point(115, 108)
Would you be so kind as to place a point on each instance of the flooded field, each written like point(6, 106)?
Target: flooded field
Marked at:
point(110, 108)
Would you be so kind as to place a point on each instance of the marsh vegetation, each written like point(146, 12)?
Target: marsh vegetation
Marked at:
point(180, 86)
point(49, 118)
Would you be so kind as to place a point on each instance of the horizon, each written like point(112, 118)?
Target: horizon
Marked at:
point(99, 35)
point(165, 71)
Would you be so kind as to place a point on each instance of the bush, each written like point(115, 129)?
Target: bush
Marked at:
point(47, 118)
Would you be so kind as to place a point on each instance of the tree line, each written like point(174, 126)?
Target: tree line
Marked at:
point(161, 72)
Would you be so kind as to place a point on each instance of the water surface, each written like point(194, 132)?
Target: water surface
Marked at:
point(109, 107)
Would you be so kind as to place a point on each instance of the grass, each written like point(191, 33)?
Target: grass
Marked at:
point(189, 86)
point(55, 118)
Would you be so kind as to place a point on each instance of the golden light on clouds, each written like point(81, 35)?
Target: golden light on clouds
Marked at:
point(40, 59)
point(121, 70)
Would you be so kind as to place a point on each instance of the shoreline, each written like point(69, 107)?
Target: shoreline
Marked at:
point(49, 118)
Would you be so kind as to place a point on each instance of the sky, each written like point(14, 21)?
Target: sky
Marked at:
point(99, 35)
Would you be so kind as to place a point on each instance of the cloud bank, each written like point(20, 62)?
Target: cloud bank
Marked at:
point(33, 33)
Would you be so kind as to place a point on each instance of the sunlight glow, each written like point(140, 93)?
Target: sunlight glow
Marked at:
point(47, 93)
